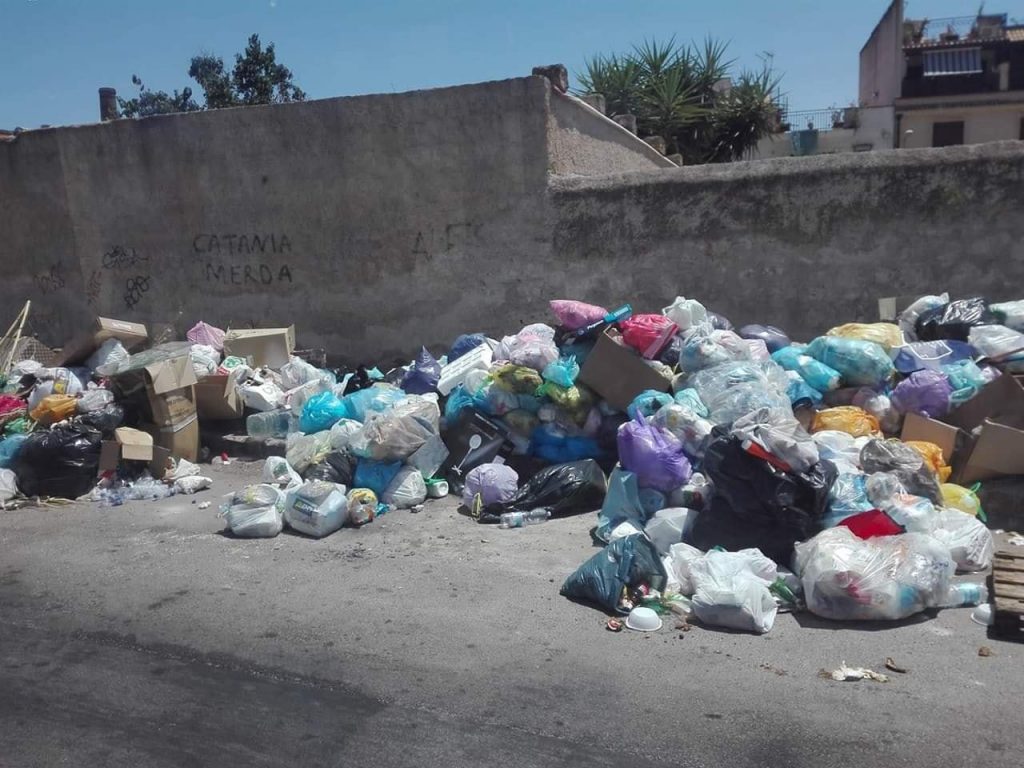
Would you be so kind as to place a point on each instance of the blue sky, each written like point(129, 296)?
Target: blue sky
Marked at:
point(56, 53)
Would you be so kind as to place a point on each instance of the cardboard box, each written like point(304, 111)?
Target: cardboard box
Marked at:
point(172, 407)
point(131, 335)
point(161, 369)
point(217, 399)
point(617, 373)
point(132, 445)
point(1001, 401)
point(180, 440)
point(267, 347)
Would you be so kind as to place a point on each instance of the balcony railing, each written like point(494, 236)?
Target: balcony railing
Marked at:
point(950, 85)
point(953, 28)
point(820, 119)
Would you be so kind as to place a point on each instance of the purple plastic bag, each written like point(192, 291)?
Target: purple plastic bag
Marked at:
point(423, 376)
point(576, 314)
point(926, 392)
point(654, 455)
point(496, 484)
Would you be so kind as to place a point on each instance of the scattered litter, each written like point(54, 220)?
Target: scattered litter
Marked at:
point(985, 651)
point(892, 666)
point(845, 674)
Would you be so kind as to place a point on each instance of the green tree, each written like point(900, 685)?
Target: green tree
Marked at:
point(257, 78)
point(679, 93)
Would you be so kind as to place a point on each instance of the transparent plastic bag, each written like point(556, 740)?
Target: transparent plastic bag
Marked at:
point(362, 506)
point(689, 398)
point(279, 473)
point(316, 508)
point(254, 511)
point(781, 435)
point(406, 490)
point(737, 388)
point(342, 433)
point(687, 313)
point(996, 341)
point(731, 590)
point(886, 578)
point(969, 542)
point(965, 379)
point(839, 447)
point(817, 375)
point(94, 400)
point(297, 372)
point(379, 397)
point(111, 353)
point(687, 426)
point(860, 363)
point(847, 497)
point(909, 466)
point(396, 434)
point(303, 450)
point(648, 403)
point(880, 406)
point(1009, 313)
point(205, 360)
point(907, 320)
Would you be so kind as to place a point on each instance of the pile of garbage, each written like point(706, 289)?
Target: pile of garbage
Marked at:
point(733, 470)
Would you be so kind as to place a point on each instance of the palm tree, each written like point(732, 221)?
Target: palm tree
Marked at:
point(681, 93)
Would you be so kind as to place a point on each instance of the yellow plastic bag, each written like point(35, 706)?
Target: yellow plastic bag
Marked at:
point(933, 455)
point(846, 418)
point(960, 498)
point(516, 379)
point(887, 335)
point(54, 408)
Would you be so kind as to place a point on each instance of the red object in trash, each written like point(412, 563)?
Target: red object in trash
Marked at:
point(647, 334)
point(874, 522)
point(9, 403)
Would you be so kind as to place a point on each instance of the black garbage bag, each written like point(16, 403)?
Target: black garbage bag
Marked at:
point(628, 562)
point(757, 504)
point(670, 354)
point(913, 471)
point(953, 320)
point(105, 420)
point(337, 467)
point(562, 489)
point(62, 461)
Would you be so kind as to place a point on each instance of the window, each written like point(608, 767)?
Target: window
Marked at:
point(960, 61)
point(1021, 137)
point(947, 134)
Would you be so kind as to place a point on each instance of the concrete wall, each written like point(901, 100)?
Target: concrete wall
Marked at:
point(802, 243)
point(881, 60)
point(365, 221)
point(994, 122)
point(376, 224)
point(583, 141)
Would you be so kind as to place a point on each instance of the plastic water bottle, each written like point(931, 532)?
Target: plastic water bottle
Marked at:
point(519, 519)
point(964, 593)
point(268, 424)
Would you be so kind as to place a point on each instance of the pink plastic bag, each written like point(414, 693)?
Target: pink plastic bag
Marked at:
point(201, 333)
point(576, 314)
point(648, 334)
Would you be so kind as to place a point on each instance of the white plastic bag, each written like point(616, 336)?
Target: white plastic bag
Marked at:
point(1011, 313)
point(668, 527)
point(279, 473)
point(254, 511)
point(840, 448)
point(968, 540)
point(316, 508)
point(887, 578)
point(192, 484)
point(262, 397)
point(407, 489)
point(205, 360)
point(53, 381)
point(8, 485)
point(731, 590)
point(341, 433)
point(686, 313)
point(303, 450)
point(94, 400)
point(298, 372)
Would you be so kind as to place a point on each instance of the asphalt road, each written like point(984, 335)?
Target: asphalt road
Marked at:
point(142, 636)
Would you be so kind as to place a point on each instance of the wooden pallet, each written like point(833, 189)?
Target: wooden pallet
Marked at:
point(1008, 593)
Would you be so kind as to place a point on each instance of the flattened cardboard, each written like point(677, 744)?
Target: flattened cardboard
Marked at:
point(131, 335)
point(617, 373)
point(268, 347)
point(947, 437)
point(1001, 400)
point(217, 399)
point(998, 451)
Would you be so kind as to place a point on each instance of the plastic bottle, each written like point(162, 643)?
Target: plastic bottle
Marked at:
point(268, 424)
point(964, 593)
point(594, 330)
point(519, 519)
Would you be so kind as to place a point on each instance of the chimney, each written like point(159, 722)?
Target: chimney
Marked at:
point(108, 104)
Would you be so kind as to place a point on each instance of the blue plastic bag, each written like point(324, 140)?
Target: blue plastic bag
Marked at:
point(621, 503)
point(376, 398)
point(652, 501)
point(322, 411)
point(772, 337)
point(9, 448)
point(375, 475)
point(847, 497)
point(860, 363)
point(801, 393)
point(562, 371)
point(467, 342)
point(424, 374)
point(648, 403)
point(966, 379)
point(458, 400)
point(547, 443)
point(817, 375)
point(689, 398)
